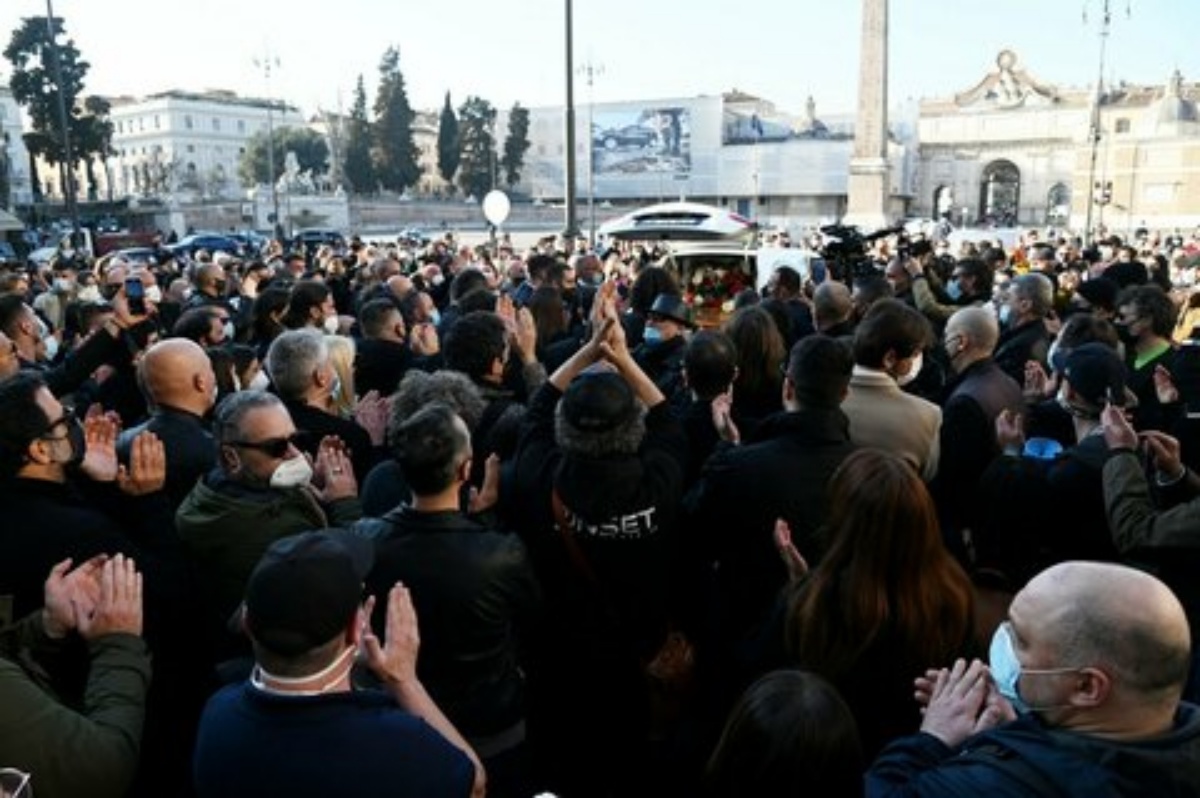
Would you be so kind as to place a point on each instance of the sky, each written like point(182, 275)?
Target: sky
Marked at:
point(509, 52)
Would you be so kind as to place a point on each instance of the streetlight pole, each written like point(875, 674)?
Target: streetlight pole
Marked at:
point(1094, 130)
point(266, 62)
point(591, 70)
point(571, 227)
point(64, 121)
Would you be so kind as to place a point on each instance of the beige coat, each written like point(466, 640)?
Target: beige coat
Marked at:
point(882, 416)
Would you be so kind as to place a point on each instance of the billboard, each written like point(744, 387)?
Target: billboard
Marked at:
point(642, 141)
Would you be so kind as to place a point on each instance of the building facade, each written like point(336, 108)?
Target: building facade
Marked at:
point(15, 185)
point(1013, 150)
point(184, 142)
point(733, 150)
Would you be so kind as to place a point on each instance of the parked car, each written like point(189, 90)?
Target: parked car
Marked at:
point(627, 136)
point(414, 236)
point(680, 221)
point(312, 238)
point(213, 242)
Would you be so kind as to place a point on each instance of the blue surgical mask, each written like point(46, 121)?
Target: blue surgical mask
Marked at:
point(1006, 670)
point(335, 390)
point(1005, 315)
point(435, 318)
point(652, 335)
point(954, 290)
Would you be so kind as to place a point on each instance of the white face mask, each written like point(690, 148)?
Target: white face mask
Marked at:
point(154, 294)
point(63, 286)
point(260, 382)
point(913, 370)
point(294, 473)
point(229, 330)
point(331, 325)
point(89, 295)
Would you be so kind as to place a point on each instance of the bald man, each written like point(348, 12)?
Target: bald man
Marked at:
point(1093, 657)
point(833, 309)
point(180, 387)
point(976, 393)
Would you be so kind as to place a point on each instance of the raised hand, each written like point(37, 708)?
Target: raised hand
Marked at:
point(371, 413)
point(1118, 433)
point(333, 471)
point(394, 661)
point(796, 565)
point(100, 432)
point(118, 609)
point(959, 703)
point(722, 418)
point(69, 594)
point(147, 470)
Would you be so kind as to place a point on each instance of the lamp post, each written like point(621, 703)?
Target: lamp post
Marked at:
point(1094, 130)
point(591, 70)
point(266, 63)
point(570, 225)
point(64, 122)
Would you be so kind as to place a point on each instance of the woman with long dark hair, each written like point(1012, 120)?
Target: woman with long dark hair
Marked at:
point(887, 600)
point(758, 387)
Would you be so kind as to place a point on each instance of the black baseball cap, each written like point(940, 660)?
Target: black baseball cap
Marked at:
point(306, 588)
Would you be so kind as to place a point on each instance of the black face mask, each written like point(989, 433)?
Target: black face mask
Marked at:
point(78, 441)
point(109, 291)
point(1125, 333)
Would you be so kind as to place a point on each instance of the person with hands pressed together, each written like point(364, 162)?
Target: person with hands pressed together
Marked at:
point(91, 749)
point(299, 725)
point(1095, 656)
point(263, 488)
point(597, 480)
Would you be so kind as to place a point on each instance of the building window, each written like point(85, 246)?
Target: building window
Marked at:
point(187, 121)
point(241, 150)
point(157, 122)
point(241, 126)
point(216, 123)
point(1122, 126)
point(191, 148)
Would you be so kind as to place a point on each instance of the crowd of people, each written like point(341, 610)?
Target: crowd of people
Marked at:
point(447, 520)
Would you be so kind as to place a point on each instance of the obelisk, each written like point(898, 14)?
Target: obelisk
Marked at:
point(869, 187)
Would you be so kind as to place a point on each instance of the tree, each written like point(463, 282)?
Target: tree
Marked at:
point(36, 84)
point(395, 151)
point(312, 153)
point(476, 169)
point(516, 145)
point(94, 140)
point(359, 170)
point(448, 152)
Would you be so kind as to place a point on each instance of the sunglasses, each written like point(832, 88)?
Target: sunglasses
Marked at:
point(272, 447)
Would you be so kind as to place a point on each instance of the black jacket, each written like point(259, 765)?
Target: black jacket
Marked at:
point(475, 593)
point(968, 439)
point(190, 449)
point(313, 424)
point(742, 490)
point(1018, 345)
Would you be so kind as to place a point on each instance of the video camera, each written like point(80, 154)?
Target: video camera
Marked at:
point(847, 249)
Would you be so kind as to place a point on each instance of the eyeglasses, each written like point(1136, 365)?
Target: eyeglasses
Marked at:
point(68, 415)
point(14, 782)
point(272, 447)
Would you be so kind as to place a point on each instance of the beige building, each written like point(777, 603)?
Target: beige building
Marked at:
point(1014, 150)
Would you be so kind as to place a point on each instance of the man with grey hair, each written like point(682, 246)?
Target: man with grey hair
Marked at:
point(1093, 658)
point(1025, 335)
point(304, 378)
point(263, 488)
point(597, 481)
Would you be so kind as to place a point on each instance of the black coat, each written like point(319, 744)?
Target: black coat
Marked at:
point(1018, 345)
point(968, 440)
point(474, 591)
point(313, 424)
point(190, 448)
point(380, 365)
point(731, 511)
